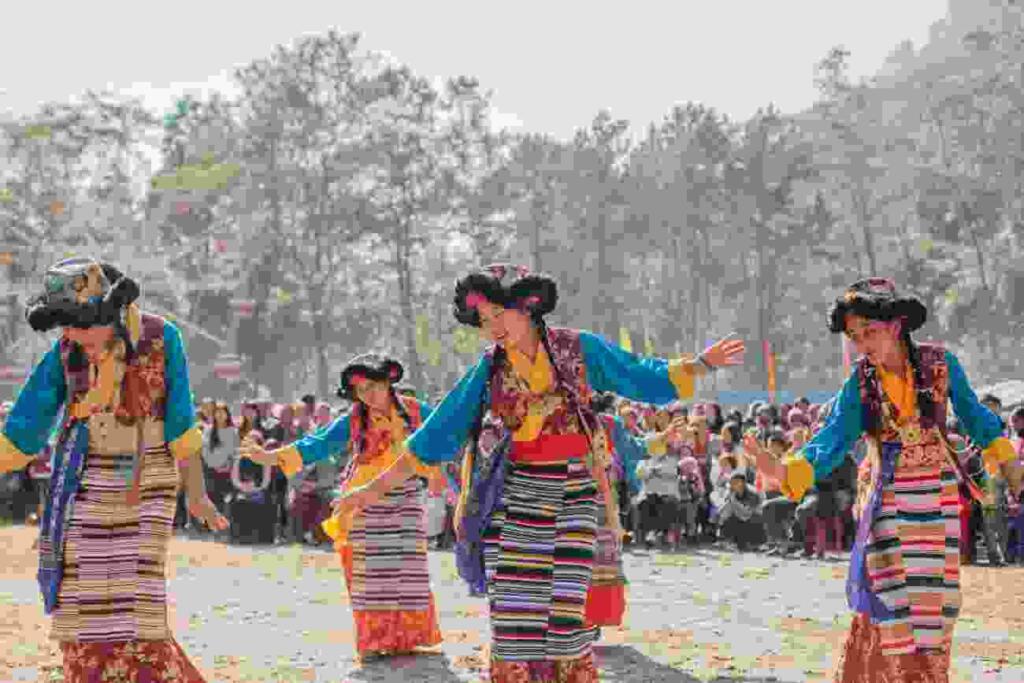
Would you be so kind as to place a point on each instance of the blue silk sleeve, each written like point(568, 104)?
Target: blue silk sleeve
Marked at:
point(445, 431)
point(35, 411)
point(324, 443)
point(977, 421)
point(612, 368)
point(181, 412)
point(828, 447)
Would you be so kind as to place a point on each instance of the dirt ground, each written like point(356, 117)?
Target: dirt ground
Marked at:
point(989, 645)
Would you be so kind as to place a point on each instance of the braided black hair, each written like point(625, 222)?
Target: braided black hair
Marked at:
point(925, 400)
point(360, 411)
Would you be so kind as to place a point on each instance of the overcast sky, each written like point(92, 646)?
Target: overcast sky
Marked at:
point(551, 64)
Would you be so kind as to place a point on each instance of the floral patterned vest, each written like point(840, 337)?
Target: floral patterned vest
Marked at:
point(143, 387)
point(511, 398)
point(365, 444)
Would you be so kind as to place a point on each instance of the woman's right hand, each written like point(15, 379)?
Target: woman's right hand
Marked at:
point(251, 450)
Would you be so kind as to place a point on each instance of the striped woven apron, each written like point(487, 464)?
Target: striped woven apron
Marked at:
point(539, 555)
point(387, 573)
point(114, 583)
point(908, 546)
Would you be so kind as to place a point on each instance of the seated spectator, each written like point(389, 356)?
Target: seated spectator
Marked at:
point(777, 509)
point(740, 518)
point(220, 450)
point(691, 494)
point(253, 511)
point(658, 501)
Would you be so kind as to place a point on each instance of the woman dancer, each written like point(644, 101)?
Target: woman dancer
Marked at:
point(904, 579)
point(383, 546)
point(121, 377)
point(524, 411)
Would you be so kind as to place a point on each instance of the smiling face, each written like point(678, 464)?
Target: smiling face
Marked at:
point(505, 326)
point(876, 339)
point(376, 394)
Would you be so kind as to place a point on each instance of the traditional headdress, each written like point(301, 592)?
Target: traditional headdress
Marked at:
point(505, 285)
point(368, 366)
point(81, 292)
point(876, 299)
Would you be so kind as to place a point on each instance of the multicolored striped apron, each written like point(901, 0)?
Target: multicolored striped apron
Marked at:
point(904, 580)
point(539, 556)
point(114, 585)
point(387, 573)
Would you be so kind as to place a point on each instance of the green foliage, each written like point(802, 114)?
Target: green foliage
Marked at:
point(362, 189)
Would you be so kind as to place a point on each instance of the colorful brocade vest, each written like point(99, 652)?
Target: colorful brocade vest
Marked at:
point(364, 445)
point(511, 399)
point(143, 387)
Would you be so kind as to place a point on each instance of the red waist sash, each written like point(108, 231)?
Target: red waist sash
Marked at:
point(550, 448)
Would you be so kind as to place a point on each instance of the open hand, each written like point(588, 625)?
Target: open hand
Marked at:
point(251, 450)
point(206, 512)
point(724, 352)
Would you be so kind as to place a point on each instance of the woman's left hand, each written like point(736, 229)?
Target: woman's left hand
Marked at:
point(725, 352)
point(206, 512)
point(349, 501)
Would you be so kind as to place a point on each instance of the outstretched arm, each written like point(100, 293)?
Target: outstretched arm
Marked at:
point(651, 380)
point(32, 418)
point(820, 456)
point(983, 426)
point(182, 433)
point(439, 439)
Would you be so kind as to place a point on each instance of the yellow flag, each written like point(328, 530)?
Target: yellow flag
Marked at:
point(648, 347)
point(466, 340)
point(422, 334)
point(434, 353)
point(624, 340)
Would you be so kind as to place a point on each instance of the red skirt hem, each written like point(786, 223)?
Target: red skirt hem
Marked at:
point(605, 605)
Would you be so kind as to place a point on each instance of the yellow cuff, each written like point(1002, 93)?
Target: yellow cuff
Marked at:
point(682, 372)
point(289, 459)
point(998, 452)
point(11, 457)
point(799, 477)
point(188, 444)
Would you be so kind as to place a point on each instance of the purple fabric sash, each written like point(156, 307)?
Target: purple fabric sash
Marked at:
point(67, 462)
point(858, 587)
point(487, 486)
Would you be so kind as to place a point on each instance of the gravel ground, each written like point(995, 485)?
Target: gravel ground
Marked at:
point(281, 614)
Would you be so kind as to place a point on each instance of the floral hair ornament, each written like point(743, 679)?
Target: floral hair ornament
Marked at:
point(529, 302)
point(357, 379)
point(475, 300)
